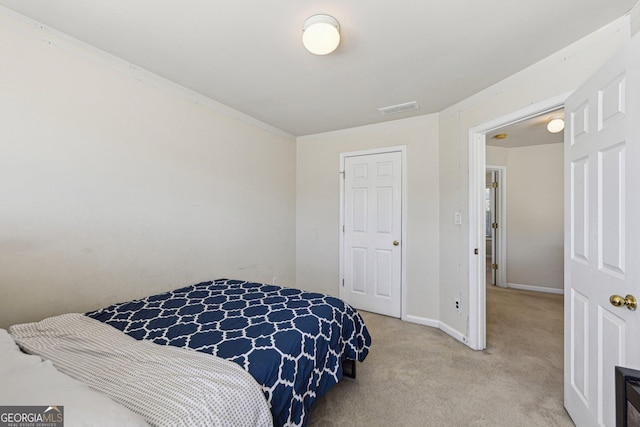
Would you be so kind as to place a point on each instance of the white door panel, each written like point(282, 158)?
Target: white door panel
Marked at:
point(602, 167)
point(372, 223)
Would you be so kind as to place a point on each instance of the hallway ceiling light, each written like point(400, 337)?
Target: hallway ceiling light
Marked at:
point(555, 125)
point(500, 136)
point(321, 34)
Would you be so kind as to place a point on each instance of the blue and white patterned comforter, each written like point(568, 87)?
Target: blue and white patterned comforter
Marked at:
point(291, 341)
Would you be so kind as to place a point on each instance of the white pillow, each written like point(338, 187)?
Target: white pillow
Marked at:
point(28, 380)
point(11, 357)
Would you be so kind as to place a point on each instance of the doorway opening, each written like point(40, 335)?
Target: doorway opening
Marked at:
point(496, 225)
point(478, 138)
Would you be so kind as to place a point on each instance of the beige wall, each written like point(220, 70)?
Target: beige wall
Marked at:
point(318, 206)
point(554, 76)
point(535, 213)
point(116, 184)
point(496, 156)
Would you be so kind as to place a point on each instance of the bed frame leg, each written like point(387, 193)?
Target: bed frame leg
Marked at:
point(349, 368)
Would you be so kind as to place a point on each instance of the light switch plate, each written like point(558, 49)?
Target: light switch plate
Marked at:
point(457, 218)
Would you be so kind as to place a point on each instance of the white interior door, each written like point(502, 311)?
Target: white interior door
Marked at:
point(372, 264)
point(602, 235)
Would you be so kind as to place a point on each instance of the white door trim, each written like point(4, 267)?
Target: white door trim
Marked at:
point(477, 338)
point(501, 219)
point(402, 149)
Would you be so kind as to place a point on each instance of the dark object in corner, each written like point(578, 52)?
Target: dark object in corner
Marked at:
point(349, 368)
point(627, 397)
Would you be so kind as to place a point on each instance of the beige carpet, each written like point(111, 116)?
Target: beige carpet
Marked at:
point(419, 376)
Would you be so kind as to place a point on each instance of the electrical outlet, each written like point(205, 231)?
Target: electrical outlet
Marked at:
point(274, 281)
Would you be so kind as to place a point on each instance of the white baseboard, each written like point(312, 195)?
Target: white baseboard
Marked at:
point(437, 324)
point(422, 321)
point(535, 288)
point(454, 333)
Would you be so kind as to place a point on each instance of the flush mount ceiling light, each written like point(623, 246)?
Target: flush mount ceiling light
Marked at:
point(500, 136)
point(555, 125)
point(321, 34)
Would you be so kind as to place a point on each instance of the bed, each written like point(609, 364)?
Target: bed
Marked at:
point(292, 342)
point(166, 386)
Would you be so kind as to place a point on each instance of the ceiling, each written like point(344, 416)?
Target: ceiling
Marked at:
point(248, 54)
point(531, 131)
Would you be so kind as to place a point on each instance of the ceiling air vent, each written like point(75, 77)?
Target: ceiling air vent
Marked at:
point(400, 108)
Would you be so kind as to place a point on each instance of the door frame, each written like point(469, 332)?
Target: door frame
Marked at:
point(501, 219)
point(402, 149)
point(477, 321)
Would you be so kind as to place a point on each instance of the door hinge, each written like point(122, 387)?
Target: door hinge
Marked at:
point(494, 266)
point(343, 282)
point(475, 251)
point(343, 228)
point(494, 225)
point(494, 184)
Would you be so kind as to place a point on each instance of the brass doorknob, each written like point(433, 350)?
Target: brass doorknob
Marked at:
point(629, 301)
point(396, 243)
